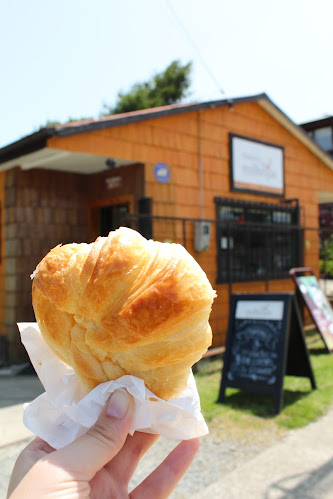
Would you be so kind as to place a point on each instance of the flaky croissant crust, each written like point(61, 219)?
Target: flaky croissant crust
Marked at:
point(125, 305)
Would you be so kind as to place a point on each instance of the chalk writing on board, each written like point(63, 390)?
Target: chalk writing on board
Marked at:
point(255, 351)
point(265, 341)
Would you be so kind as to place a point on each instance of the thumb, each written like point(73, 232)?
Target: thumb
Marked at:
point(89, 453)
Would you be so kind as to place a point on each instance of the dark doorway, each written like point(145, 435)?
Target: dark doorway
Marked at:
point(111, 217)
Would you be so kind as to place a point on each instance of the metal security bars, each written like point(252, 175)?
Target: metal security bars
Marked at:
point(246, 251)
point(257, 241)
point(257, 252)
point(164, 229)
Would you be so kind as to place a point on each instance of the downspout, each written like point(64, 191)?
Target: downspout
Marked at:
point(201, 192)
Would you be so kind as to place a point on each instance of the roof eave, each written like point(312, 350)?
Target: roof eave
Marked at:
point(313, 125)
point(38, 140)
point(31, 143)
point(152, 114)
point(296, 130)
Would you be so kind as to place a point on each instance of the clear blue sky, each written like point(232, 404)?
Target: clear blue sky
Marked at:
point(64, 58)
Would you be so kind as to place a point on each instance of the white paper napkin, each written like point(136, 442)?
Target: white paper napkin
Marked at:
point(64, 412)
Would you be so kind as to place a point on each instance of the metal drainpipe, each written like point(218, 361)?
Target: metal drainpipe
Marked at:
point(201, 193)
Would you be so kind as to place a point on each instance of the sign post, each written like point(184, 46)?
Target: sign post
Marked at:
point(265, 341)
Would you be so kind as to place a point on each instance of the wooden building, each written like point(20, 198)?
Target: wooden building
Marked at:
point(321, 132)
point(235, 181)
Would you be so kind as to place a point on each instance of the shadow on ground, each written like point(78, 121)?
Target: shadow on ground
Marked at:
point(259, 404)
point(19, 389)
point(310, 485)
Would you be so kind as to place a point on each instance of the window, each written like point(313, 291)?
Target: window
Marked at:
point(323, 137)
point(257, 241)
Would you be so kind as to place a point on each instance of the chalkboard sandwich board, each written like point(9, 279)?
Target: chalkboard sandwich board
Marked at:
point(316, 302)
point(265, 341)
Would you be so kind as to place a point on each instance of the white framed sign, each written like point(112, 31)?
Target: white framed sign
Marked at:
point(260, 310)
point(256, 166)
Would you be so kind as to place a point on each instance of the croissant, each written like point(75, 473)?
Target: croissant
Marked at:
point(124, 305)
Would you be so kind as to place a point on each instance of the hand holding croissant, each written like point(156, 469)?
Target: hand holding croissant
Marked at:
point(125, 305)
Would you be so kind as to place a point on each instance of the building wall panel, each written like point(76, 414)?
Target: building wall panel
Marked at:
point(185, 141)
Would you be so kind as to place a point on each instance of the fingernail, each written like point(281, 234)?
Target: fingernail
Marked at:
point(118, 404)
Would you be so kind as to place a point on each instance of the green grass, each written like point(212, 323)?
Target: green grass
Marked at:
point(301, 405)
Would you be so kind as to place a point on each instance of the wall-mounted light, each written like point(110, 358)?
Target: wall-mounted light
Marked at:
point(110, 163)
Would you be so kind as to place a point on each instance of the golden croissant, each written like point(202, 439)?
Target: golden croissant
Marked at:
point(125, 305)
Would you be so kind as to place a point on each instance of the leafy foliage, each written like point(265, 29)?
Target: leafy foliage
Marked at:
point(326, 257)
point(51, 123)
point(167, 87)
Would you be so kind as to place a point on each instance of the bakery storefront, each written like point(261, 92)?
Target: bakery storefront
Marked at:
point(235, 181)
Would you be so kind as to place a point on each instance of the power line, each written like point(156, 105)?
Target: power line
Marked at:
point(194, 46)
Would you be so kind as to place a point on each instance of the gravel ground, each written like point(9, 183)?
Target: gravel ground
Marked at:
point(219, 453)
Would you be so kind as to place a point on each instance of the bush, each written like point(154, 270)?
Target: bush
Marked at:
point(326, 257)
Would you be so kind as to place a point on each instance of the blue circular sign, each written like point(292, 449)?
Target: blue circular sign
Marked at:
point(162, 173)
